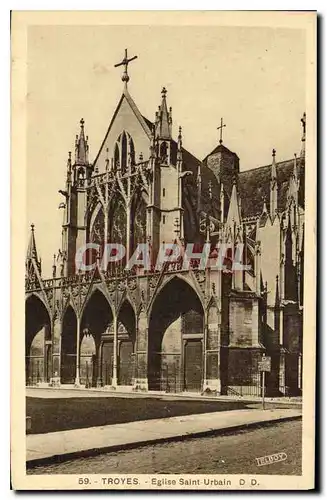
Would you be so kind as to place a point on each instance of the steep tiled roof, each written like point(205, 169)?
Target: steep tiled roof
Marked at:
point(220, 149)
point(190, 162)
point(149, 124)
point(254, 186)
point(211, 206)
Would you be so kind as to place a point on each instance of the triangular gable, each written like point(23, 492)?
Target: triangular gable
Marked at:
point(125, 97)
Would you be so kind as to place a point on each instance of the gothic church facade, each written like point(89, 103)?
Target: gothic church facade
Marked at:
point(170, 329)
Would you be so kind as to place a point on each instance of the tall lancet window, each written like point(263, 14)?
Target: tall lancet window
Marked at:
point(116, 159)
point(131, 152)
point(124, 152)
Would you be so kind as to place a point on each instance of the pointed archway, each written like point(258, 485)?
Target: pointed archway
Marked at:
point(126, 343)
point(88, 360)
point(68, 347)
point(175, 348)
point(96, 363)
point(37, 341)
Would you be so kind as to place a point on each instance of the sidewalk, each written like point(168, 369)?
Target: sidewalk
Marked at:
point(41, 448)
point(73, 392)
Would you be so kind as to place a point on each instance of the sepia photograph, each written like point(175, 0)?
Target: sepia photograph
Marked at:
point(167, 180)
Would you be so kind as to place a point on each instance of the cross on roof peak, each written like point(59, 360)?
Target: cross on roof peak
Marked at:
point(220, 128)
point(125, 62)
point(304, 123)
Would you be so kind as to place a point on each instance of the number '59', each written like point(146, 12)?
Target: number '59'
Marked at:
point(83, 480)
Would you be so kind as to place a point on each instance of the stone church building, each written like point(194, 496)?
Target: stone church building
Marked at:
point(172, 329)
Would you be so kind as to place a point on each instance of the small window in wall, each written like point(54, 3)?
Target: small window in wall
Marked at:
point(163, 192)
point(164, 219)
point(163, 152)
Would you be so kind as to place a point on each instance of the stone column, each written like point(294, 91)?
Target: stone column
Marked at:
point(78, 337)
point(282, 277)
point(99, 374)
point(300, 372)
point(282, 372)
point(114, 380)
point(128, 232)
point(141, 354)
point(45, 354)
point(56, 352)
point(183, 378)
point(281, 326)
point(212, 380)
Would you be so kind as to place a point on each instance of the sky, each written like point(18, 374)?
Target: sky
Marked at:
point(252, 77)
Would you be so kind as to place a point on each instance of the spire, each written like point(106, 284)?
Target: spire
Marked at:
point(179, 166)
point(273, 187)
point(273, 166)
point(293, 183)
point(152, 143)
point(31, 249)
point(199, 188)
point(81, 147)
point(277, 298)
point(303, 121)
point(222, 203)
point(69, 168)
point(163, 118)
point(32, 263)
point(179, 145)
point(233, 211)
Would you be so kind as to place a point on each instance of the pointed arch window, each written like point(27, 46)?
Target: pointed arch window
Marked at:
point(131, 151)
point(124, 152)
point(116, 159)
point(163, 152)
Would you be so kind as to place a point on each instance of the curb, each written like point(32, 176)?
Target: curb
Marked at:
point(56, 459)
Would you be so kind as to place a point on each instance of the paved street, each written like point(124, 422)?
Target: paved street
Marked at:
point(229, 454)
